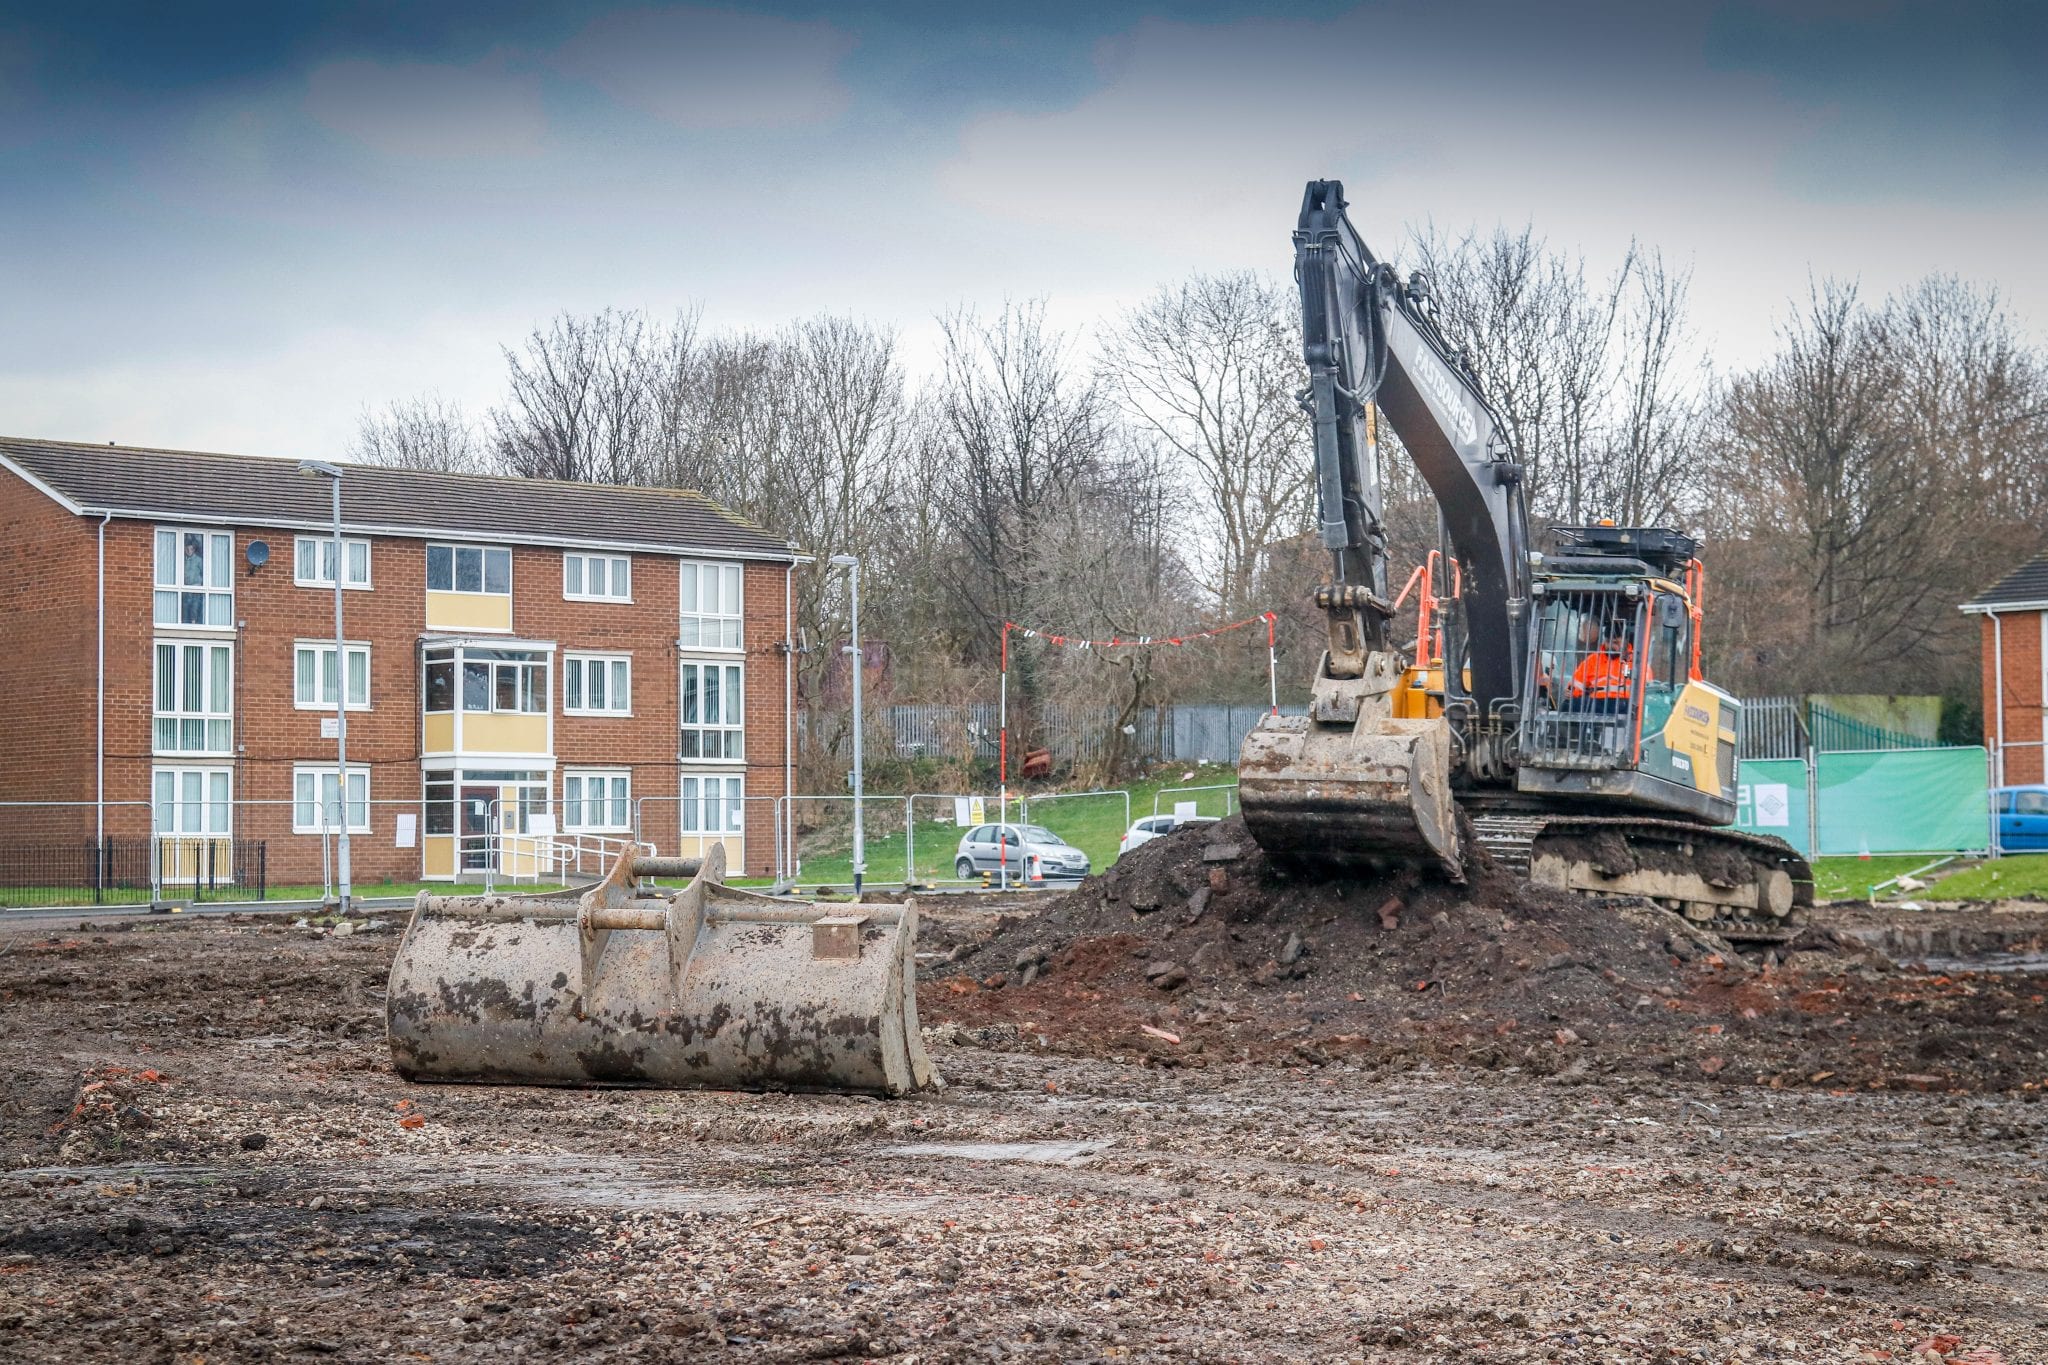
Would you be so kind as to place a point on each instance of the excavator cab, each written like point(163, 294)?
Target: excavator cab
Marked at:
point(1618, 710)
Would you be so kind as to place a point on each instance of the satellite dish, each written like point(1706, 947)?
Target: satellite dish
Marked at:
point(258, 554)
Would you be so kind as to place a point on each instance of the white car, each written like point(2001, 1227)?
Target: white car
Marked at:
point(1152, 826)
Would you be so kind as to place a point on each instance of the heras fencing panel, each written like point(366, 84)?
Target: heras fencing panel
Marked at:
point(1903, 801)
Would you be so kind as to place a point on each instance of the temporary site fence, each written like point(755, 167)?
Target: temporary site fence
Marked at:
point(1859, 803)
point(1198, 732)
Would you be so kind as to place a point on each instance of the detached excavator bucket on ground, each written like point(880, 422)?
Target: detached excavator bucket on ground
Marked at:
point(631, 984)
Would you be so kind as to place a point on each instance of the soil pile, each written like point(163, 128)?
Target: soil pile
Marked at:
point(1195, 948)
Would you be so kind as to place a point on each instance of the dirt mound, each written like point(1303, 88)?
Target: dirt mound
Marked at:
point(1197, 934)
point(1194, 948)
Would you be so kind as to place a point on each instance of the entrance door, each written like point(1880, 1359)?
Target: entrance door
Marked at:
point(473, 823)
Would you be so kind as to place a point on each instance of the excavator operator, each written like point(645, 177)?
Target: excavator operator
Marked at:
point(1605, 676)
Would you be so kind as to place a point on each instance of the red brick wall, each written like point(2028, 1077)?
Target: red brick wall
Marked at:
point(2017, 640)
point(46, 651)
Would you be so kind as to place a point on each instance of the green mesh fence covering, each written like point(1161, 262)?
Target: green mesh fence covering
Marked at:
point(1904, 801)
point(1892, 801)
point(1770, 798)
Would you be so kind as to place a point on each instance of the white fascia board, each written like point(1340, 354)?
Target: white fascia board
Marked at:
point(1988, 608)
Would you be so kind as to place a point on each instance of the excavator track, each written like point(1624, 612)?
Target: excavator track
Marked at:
point(1748, 888)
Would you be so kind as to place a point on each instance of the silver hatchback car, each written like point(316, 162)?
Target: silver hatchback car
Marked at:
point(1026, 853)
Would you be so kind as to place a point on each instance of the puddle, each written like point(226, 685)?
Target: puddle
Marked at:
point(1039, 1153)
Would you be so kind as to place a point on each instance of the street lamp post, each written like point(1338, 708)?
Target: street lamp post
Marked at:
point(320, 469)
point(860, 858)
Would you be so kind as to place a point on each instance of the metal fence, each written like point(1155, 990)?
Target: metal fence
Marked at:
point(1860, 804)
point(1206, 732)
point(1772, 727)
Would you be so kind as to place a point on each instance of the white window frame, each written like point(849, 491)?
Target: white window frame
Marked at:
point(321, 650)
point(576, 682)
point(454, 549)
point(217, 569)
point(731, 790)
point(576, 565)
point(730, 728)
point(720, 629)
point(216, 799)
point(617, 794)
point(317, 576)
point(321, 774)
point(214, 711)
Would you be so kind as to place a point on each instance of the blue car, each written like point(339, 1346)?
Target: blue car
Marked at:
point(2022, 817)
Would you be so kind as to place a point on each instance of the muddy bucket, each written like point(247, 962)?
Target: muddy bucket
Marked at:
point(630, 984)
point(1371, 796)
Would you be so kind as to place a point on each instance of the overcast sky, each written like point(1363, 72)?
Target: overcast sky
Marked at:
point(231, 227)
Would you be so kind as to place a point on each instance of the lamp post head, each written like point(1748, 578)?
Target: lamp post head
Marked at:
point(319, 469)
point(845, 561)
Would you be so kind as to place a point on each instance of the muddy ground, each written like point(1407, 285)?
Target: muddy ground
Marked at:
point(208, 1158)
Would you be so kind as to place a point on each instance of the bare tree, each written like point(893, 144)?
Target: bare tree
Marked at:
point(425, 433)
point(1211, 366)
point(583, 402)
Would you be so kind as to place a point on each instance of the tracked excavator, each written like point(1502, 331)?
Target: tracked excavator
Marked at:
point(1554, 697)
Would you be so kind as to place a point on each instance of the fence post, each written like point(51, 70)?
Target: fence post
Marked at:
point(262, 871)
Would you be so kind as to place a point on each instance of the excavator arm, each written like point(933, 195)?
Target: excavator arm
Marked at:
point(1371, 346)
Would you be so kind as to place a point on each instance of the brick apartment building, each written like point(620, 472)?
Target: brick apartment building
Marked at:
point(2014, 613)
point(535, 652)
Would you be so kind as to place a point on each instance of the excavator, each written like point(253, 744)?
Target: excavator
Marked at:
point(1554, 713)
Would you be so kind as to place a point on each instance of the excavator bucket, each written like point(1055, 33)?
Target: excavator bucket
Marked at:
point(632, 984)
point(1368, 795)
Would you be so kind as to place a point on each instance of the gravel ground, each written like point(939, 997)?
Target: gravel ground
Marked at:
point(208, 1158)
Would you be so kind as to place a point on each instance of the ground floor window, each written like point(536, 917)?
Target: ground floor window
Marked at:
point(192, 801)
point(596, 802)
point(316, 809)
point(714, 805)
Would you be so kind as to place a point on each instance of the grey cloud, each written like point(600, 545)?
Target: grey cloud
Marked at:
point(706, 68)
point(427, 110)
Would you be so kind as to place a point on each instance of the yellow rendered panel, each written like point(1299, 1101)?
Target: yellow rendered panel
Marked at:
point(437, 733)
point(437, 855)
point(485, 732)
point(468, 611)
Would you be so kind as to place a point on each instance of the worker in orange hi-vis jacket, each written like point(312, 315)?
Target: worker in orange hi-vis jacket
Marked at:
point(1604, 678)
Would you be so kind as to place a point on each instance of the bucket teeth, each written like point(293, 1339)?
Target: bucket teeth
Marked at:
point(705, 986)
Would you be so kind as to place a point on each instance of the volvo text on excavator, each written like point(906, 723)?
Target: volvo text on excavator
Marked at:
point(1555, 697)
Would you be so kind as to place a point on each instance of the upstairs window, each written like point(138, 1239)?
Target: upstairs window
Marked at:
point(597, 685)
point(314, 680)
point(313, 562)
point(195, 578)
point(711, 711)
point(194, 688)
point(469, 568)
point(506, 680)
point(597, 578)
point(710, 606)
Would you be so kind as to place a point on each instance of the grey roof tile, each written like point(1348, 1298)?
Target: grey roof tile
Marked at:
point(2027, 583)
point(268, 491)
